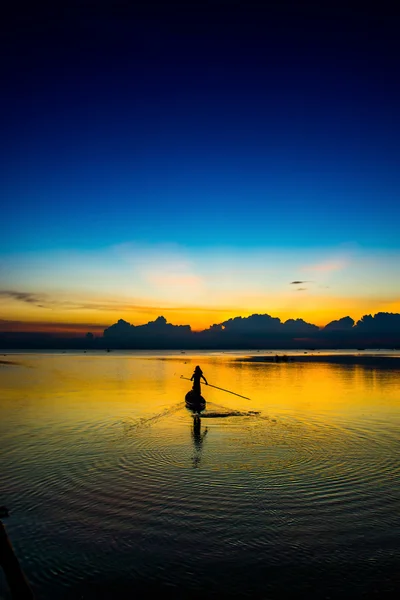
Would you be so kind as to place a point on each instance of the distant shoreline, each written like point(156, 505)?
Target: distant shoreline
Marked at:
point(349, 359)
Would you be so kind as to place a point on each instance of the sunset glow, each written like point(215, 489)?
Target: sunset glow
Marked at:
point(196, 178)
point(77, 290)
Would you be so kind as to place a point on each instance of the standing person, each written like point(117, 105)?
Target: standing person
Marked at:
point(197, 375)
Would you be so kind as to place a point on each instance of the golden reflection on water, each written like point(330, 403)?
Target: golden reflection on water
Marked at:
point(100, 452)
point(71, 386)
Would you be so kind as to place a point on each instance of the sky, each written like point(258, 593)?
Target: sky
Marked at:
point(195, 159)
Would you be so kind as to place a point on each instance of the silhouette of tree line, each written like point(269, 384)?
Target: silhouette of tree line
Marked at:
point(259, 331)
point(255, 331)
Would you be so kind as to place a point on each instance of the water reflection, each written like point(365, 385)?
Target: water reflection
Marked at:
point(291, 476)
point(198, 439)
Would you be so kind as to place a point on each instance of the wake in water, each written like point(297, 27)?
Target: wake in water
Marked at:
point(215, 412)
point(148, 421)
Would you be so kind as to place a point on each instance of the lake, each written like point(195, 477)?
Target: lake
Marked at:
point(115, 489)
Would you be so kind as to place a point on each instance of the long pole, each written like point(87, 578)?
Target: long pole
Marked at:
point(219, 388)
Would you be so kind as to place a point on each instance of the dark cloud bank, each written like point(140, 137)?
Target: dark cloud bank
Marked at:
point(257, 331)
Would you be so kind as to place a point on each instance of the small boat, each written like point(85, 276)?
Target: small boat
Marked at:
point(194, 401)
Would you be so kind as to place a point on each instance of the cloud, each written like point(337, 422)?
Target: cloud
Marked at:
point(260, 330)
point(300, 289)
point(379, 323)
point(253, 324)
point(343, 324)
point(257, 330)
point(328, 266)
point(49, 302)
point(140, 281)
point(28, 297)
point(46, 301)
point(185, 281)
point(299, 326)
point(55, 328)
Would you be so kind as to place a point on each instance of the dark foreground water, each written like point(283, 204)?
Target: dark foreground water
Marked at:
point(115, 490)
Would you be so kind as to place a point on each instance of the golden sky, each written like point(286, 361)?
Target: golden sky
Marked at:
point(70, 290)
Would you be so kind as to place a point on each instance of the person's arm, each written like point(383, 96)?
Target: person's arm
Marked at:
point(19, 587)
point(205, 379)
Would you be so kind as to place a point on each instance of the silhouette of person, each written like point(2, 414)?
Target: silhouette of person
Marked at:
point(197, 375)
point(17, 582)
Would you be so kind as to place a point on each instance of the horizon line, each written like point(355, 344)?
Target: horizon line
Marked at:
point(73, 328)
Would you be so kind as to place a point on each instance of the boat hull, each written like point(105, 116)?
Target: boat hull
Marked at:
point(194, 401)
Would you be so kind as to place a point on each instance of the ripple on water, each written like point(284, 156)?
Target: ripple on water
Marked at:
point(299, 462)
point(241, 483)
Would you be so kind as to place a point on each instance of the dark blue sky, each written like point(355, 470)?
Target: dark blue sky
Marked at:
point(215, 125)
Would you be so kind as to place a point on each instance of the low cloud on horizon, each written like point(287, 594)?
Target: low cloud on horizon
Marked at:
point(138, 281)
point(378, 325)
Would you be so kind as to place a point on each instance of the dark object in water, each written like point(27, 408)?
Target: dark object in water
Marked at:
point(4, 512)
point(282, 358)
point(195, 401)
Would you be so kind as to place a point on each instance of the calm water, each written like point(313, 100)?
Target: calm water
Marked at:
point(114, 490)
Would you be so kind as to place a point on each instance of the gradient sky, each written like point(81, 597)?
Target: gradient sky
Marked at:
point(194, 161)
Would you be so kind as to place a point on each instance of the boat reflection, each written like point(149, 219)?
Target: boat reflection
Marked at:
point(195, 403)
point(198, 439)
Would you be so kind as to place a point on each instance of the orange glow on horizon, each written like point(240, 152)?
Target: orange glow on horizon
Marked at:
point(75, 292)
point(199, 318)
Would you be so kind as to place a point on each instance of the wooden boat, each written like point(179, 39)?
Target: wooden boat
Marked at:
point(194, 401)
